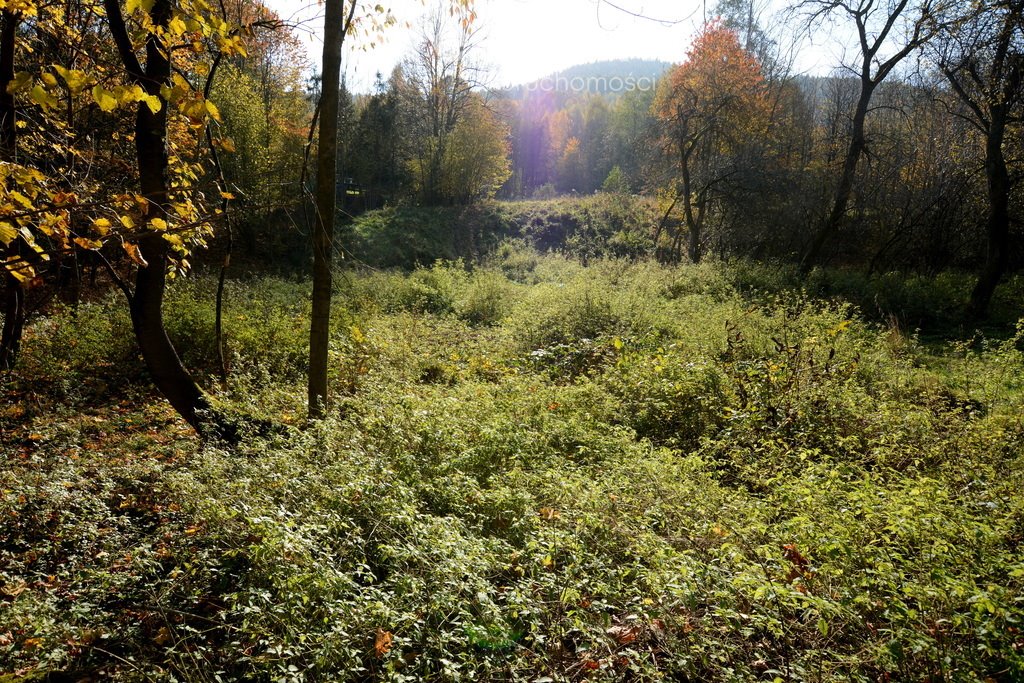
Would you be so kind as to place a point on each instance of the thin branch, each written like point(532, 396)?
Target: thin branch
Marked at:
point(117, 279)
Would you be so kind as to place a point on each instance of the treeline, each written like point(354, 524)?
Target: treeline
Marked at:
point(908, 157)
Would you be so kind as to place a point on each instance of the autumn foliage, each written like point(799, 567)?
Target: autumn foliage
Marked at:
point(708, 107)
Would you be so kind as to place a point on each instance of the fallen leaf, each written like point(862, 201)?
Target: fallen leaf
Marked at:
point(163, 636)
point(623, 634)
point(382, 643)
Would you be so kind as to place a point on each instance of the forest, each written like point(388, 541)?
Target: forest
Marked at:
point(702, 370)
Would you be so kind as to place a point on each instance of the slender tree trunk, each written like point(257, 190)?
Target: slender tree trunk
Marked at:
point(14, 322)
point(146, 304)
point(326, 198)
point(8, 130)
point(692, 222)
point(997, 226)
point(844, 188)
point(694, 249)
point(14, 289)
point(229, 246)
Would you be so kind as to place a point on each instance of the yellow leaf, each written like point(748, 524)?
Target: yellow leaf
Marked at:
point(42, 97)
point(127, 222)
point(176, 26)
point(227, 144)
point(7, 233)
point(841, 327)
point(226, 195)
point(20, 82)
point(101, 225)
point(87, 244)
point(145, 5)
point(76, 80)
point(49, 79)
point(158, 224)
point(104, 98)
point(21, 199)
point(21, 272)
point(214, 112)
point(153, 102)
point(126, 95)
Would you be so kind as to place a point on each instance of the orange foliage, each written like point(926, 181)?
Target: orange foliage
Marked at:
point(717, 91)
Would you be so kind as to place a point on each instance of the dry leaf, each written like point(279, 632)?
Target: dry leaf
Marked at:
point(382, 643)
point(623, 634)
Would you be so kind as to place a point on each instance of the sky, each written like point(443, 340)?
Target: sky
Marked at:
point(524, 40)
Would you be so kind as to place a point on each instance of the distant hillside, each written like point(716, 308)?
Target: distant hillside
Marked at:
point(604, 78)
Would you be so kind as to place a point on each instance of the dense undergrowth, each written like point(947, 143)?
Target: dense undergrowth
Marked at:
point(534, 470)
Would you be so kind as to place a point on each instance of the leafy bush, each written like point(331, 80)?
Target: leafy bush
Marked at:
point(534, 470)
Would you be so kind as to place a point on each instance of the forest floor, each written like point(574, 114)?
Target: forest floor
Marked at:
point(532, 471)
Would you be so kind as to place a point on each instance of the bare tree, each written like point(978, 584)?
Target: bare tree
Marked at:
point(888, 31)
point(982, 56)
point(439, 78)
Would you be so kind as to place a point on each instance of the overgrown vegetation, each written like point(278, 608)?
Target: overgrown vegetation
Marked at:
point(536, 470)
point(602, 225)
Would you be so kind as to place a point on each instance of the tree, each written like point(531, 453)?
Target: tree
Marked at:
point(982, 57)
point(375, 157)
point(476, 161)
point(340, 20)
point(14, 297)
point(146, 301)
point(704, 106)
point(877, 26)
point(630, 133)
point(159, 221)
point(438, 81)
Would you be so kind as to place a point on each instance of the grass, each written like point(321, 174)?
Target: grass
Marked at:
point(534, 470)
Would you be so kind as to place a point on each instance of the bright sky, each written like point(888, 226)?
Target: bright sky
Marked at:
point(527, 39)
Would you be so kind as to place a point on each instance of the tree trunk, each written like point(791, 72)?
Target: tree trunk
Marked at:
point(323, 227)
point(692, 224)
point(998, 223)
point(14, 322)
point(14, 296)
point(8, 130)
point(146, 304)
point(844, 188)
